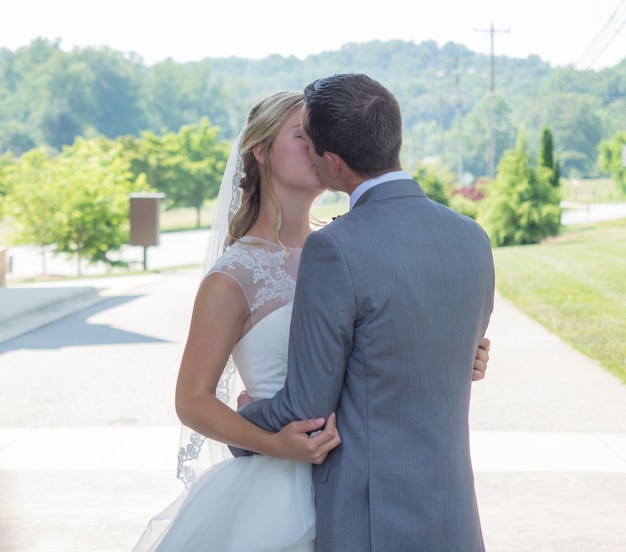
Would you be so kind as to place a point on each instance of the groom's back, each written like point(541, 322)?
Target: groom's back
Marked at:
point(423, 285)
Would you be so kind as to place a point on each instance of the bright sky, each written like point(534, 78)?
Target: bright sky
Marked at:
point(582, 33)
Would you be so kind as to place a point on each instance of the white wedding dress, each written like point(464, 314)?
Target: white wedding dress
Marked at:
point(253, 503)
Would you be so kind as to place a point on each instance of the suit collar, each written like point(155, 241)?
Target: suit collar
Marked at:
point(391, 189)
point(370, 183)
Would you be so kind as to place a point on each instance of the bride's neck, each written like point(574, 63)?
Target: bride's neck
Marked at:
point(294, 228)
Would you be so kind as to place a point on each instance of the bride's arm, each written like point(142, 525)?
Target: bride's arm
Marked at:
point(219, 316)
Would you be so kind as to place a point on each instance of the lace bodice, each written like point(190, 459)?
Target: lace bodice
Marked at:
point(265, 272)
point(267, 276)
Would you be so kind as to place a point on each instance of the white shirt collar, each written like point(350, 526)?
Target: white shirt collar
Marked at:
point(368, 184)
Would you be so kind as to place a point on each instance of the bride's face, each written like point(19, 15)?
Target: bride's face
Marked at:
point(291, 165)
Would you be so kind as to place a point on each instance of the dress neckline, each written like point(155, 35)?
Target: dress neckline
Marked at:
point(253, 239)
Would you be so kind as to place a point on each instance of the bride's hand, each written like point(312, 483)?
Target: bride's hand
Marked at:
point(243, 399)
point(481, 360)
point(295, 443)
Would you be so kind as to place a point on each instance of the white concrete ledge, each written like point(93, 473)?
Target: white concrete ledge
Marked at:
point(154, 448)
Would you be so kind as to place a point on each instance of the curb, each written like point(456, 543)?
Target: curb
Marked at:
point(25, 309)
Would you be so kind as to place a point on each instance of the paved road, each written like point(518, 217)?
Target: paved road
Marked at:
point(88, 432)
point(584, 213)
point(174, 249)
point(88, 435)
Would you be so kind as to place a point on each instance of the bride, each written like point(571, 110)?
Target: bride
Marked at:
point(242, 312)
point(243, 308)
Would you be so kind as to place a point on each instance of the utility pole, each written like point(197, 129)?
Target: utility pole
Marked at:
point(442, 137)
point(492, 109)
point(459, 123)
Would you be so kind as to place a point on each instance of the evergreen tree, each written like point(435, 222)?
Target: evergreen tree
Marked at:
point(546, 156)
point(546, 149)
point(522, 205)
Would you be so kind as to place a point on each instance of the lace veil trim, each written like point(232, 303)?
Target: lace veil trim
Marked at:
point(196, 452)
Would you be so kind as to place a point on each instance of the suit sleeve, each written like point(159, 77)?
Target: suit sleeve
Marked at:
point(320, 339)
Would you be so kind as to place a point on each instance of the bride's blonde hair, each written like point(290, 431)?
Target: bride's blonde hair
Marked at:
point(264, 122)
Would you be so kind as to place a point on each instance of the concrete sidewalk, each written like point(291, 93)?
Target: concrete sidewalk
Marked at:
point(26, 307)
point(548, 442)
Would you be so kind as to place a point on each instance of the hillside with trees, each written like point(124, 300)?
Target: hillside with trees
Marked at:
point(49, 97)
point(80, 131)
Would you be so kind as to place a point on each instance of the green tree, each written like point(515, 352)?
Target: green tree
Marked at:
point(546, 149)
point(476, 135)
point(32, 198)
point(546, 156)
point(187, 166)
point(214, 98)
point(522, 205)
point(52, 94)
point(6, 163)
point(116, 90)
point(146, 156)
point(24, 94)
point(611, 159)
point(70, 106)
point(95, 182)
point(436, 183)
point(167, 96)
point(577, 128)
point(16, 138)
point(614, 114)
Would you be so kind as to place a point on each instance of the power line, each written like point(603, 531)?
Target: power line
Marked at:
point(592, 51)
point(617, 31)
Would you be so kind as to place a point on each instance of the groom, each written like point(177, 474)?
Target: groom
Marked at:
point(391, 302)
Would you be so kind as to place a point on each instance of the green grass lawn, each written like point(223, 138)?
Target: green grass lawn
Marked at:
point(595, 190)
point(574, 285)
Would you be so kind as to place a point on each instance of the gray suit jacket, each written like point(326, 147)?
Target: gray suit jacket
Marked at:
point(391, 301)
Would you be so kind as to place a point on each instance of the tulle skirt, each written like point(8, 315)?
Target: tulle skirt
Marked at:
point(249, 504)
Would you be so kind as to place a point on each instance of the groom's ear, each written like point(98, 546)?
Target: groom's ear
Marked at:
point(334, 162)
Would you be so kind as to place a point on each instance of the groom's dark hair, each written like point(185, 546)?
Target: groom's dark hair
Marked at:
point(357, 118)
